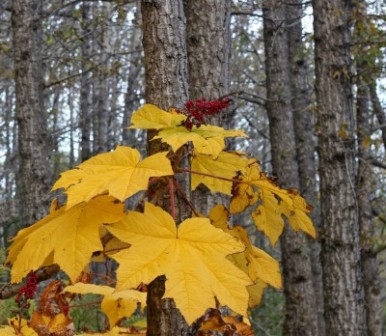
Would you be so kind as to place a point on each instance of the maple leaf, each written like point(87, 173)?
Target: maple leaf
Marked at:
point(258, 264)
point(273, 203)
point(120, 173)
point(152, 117)
point(115, 304)
point(226, 165)
point(69, 236)
point(17, 327)
point(206, 139)
point(58, 325)
point(256, 293)
point(192, 257)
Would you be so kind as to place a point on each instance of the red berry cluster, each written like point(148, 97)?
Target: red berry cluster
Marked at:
point(29, 288)
point(196, 110)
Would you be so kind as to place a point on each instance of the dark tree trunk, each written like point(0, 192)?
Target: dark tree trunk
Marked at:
point(208, 47)
point(304, 127)
point(300, 313)
point(86, 82)
point(34, 176)
point(166, 86)
point(342, 277)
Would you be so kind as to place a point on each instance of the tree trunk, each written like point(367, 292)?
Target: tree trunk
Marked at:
point(86, 83)
point(304, 127)
point(366, 187)
point(342, 277)
point(166, 86)
point(34, 174)
point(132, 98)
point(101, 89)
point(300, 313)
point(208, 47)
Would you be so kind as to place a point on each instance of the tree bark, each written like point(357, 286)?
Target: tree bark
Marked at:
point(166, 86)
point(366, 187)
point(300, 313)
point(208, 47)
point(34, 175)
point(304, 127)
point(86, 83)
point(342, 277)
point(100, 87)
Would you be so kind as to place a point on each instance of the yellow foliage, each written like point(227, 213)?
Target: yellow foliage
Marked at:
point(17, 327)
point(259, 265)
point(71, 235)
point(115, 304)
point(152, 117)
point(192, 257)
point(226, 166)
point(120, 174)
point(206, 139)
point(273, 204)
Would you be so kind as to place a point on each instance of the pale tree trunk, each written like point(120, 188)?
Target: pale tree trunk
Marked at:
point(304, 127)
point(166, 86)
point(86, 82)
point(34, 176)
point(342, 276)
point(300, 313)
point(100, 89)
point(208, 46)
point(366, 188)
point(132, 97)
point(378, 110)
point(366, 180)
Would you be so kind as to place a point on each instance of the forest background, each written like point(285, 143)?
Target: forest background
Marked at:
point(311, 101)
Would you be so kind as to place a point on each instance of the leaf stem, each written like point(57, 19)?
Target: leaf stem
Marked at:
point(185, 170)
point(186, 200)
point(172, 200)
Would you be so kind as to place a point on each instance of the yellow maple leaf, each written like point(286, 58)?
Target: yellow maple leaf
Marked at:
point(115, 304)
point(17, 327)
point(225, 165)
point(273, 204)
point(120, 174)
point(192, 257)
point(206, 139)
point(152, 117)
point(258, 264)
point(256, 293)
point(70, 235)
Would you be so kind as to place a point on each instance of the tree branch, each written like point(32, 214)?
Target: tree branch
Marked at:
point(43, 273)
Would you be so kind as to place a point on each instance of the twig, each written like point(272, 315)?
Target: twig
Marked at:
point(190, 205)
point(172, 201)
point(43, 273)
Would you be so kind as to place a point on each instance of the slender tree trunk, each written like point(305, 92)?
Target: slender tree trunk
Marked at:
point(132, 97)
point(86, 83)
point(101, 89)
point(378, 110)
point(300, 313)
point(166, 86)
point(342, 277)
point(34, 176)
point(366, 187)
point(304, 127)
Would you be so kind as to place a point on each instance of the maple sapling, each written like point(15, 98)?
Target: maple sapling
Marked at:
point(206, 261)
